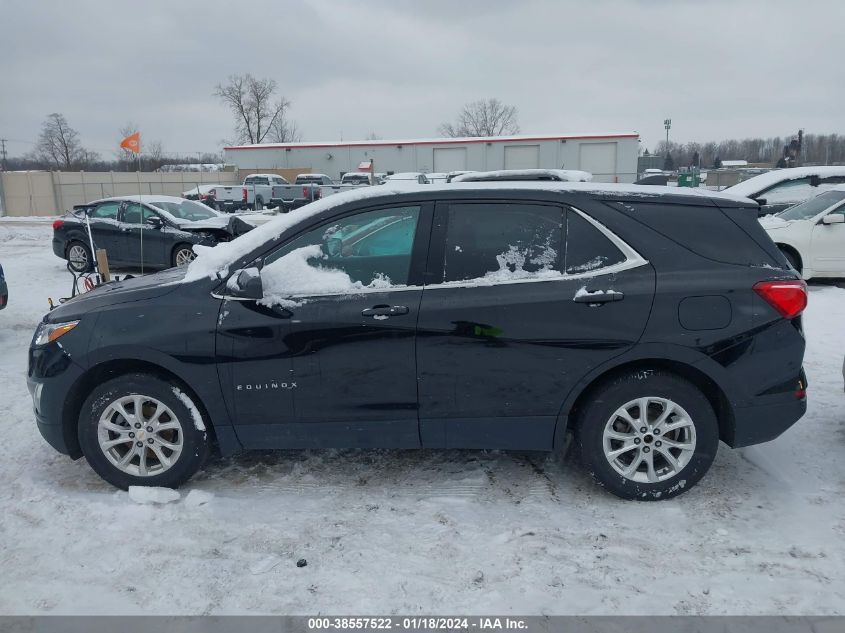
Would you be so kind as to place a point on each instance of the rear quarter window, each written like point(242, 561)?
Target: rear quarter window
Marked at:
point(705, 230)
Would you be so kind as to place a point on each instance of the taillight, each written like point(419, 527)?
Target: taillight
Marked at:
point(306, 192)
point(244, 194)
point(788, 297)
point(58, 224)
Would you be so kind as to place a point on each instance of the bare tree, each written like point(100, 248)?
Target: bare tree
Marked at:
point(372, 136)
point(153, 157)
point(255, 106)
point(486, 117)
point(284, 131)
point(58, 144)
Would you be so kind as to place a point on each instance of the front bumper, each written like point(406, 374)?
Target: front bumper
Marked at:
point(51, 378)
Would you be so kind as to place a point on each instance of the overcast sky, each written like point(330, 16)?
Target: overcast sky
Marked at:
point(399, 68)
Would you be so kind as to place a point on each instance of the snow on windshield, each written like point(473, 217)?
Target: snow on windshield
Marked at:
point(297, 274)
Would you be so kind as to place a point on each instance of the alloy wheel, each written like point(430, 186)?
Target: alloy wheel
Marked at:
point(78, 257)
point(185, 256)
point(140, 435)
point(649, 439)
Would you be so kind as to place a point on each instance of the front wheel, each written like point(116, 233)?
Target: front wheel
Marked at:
point(138, 430)
point(183, 255)
point(648, 435)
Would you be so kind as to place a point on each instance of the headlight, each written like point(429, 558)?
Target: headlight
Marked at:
point(49, 332)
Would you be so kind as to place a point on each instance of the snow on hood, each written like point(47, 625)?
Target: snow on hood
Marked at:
point(774, 222)
point(218, 222)
point(752, 186)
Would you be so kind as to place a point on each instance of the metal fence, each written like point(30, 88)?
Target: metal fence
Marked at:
point(27, 193)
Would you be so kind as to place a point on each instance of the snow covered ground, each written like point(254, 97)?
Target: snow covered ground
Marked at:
point(416, 532)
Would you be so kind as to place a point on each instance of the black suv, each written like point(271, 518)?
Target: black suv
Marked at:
point(646, 323)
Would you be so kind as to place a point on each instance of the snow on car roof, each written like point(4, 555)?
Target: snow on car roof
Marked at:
point(214, 261)
point(406, 175)
point(573, 175)
point(757, 184)
point(312, 175)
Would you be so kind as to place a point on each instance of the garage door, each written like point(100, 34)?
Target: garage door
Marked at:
point(600, 160)
point(522, 156)
point(448, 159)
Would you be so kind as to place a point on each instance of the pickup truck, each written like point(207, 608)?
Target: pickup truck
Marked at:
point(306, 188)
point(256, 192)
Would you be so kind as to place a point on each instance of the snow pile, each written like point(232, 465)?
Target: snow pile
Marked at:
point(197, 498)
point(146, 495)
point(293, 275)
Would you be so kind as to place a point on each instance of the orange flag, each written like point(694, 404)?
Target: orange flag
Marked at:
point(132, 143)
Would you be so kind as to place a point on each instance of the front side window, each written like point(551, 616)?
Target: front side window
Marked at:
point(107, 210)
point(500, 241)
point(132, 213)
point(370, 250)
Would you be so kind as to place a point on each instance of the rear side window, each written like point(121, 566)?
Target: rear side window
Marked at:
point(587, 249)
point(500, 240)
point(106, 210)
point(704, 230)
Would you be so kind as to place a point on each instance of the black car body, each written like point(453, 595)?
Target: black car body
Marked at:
point(4, 290)
point(171, 227)
point(515, 313)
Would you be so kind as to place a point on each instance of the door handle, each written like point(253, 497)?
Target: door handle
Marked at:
point(384, 311)
point(598, 296)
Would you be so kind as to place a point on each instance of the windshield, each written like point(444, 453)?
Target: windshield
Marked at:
point(811, 208)
point(185, 209)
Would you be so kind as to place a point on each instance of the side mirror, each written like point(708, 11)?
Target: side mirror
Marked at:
point(245, 284)
point(760, 201)
point(155, 222)
point(833, 218)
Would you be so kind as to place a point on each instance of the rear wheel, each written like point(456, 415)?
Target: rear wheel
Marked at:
point(79, 257)
point(138, 430)
point(183, 255)
point(792, 258)
point(648, 435)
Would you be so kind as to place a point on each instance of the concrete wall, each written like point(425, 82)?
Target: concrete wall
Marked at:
point(334, 160)
point(51, 193)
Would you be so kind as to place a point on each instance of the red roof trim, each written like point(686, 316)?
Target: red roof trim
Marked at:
point(526, 139)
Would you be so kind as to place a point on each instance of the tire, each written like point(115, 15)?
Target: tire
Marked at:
point(602, 429)
point(792, 258)
point(258, 205)
point(100, 421)
point(78, 255)
point(183, 254)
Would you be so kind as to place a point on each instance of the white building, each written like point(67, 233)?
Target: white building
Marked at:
point(609, 157)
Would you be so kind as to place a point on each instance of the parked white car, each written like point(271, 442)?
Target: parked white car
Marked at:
point(404, 178)
point(779, 189)
point(506, 175)
point(812, 234)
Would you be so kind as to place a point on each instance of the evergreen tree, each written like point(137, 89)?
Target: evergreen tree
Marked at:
point(668, 163)
point(717, 163)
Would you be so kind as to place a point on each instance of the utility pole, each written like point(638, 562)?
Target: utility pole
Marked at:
point(2, 154)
